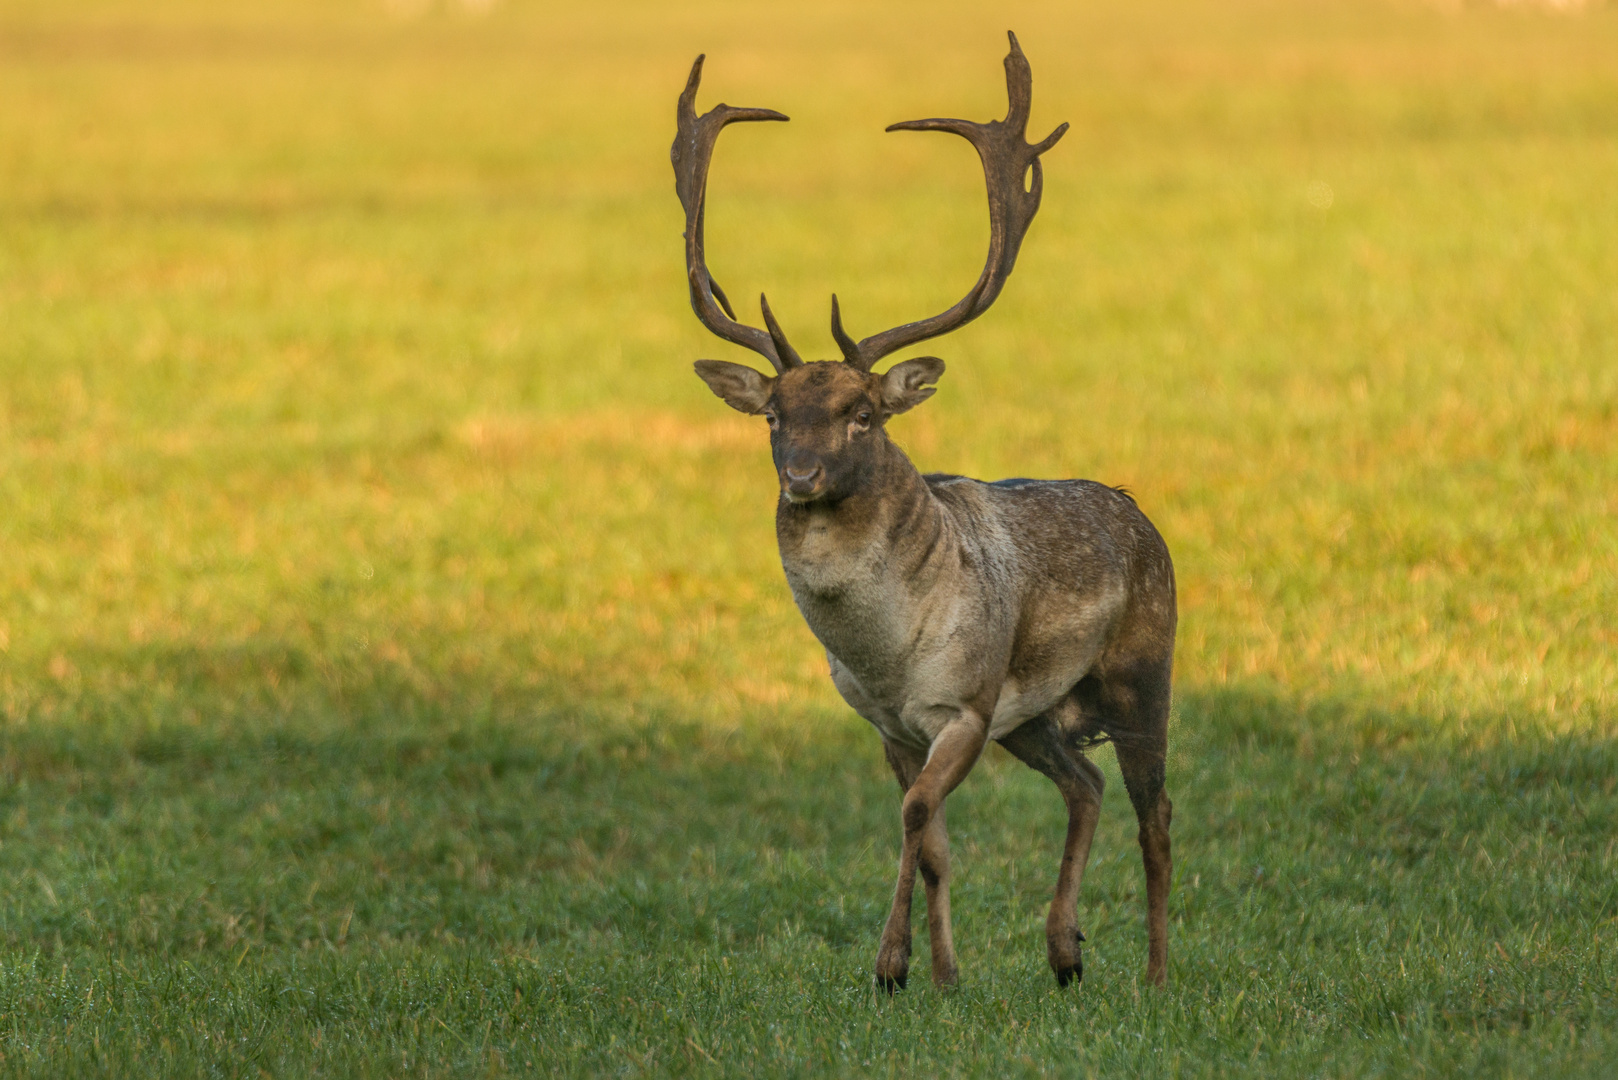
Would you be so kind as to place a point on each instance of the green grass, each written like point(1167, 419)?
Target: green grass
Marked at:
point(396, 674)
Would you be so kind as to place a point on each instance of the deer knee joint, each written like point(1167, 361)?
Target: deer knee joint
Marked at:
point(916, 815)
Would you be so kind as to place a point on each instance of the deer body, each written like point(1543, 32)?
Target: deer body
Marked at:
point(940, 597)
point(1038, 614)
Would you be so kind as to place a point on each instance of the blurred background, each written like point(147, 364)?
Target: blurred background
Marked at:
point(347, 422)
point(350, 342)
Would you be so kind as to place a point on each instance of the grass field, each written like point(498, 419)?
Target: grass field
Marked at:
point(396, 673)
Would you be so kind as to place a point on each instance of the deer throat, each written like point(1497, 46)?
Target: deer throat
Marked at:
point(852, 572)
point(830, 553)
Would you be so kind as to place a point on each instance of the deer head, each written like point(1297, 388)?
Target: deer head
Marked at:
point(827, 419)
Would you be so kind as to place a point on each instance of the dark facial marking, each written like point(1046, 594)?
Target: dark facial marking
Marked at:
point(822, 414)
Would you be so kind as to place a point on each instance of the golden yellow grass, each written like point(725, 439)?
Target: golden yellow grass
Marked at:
point(289, 291)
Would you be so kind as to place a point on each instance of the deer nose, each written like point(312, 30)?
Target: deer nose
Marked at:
point(801, 480)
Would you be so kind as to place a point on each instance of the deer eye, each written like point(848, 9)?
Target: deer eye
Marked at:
point(769, 414)
point(864, 417)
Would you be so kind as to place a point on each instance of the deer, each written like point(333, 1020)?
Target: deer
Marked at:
point(1037, 614)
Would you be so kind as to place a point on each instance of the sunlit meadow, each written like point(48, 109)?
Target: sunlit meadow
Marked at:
point(396, 672)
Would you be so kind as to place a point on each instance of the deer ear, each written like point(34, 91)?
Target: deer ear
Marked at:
point(742, 388)
point(905, 385)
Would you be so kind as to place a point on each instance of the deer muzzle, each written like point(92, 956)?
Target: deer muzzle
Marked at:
point(802, 482)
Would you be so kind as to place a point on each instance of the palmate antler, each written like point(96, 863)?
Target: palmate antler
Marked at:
point(691, 154)
point(1007, 159)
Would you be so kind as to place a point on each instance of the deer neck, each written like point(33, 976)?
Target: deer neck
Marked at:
point(832, 551)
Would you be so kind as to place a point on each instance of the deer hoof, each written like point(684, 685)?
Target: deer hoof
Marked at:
point(1068, 963)
point(892, 969)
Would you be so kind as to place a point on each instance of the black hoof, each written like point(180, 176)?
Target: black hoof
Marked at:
point(891, 984)
point(1075, 972)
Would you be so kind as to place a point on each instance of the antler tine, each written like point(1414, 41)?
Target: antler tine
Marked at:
point(850, 347)
point(1007, 159)
point(783, 348)
point(691, 153)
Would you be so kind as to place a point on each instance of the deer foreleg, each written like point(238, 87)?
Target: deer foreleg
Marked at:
point(934, 866)
point(926, 847)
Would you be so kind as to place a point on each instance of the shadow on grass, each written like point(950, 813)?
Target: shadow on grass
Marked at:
point(432, 861)
point(526, 818)
point(198, 709)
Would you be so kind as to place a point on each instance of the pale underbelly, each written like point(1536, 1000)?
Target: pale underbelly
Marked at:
point(918, 727)
point(1018, 704)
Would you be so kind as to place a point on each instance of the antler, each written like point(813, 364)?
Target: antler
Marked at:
point(691, 153)
point(1007, 159)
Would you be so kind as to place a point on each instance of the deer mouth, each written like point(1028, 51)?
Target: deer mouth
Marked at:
point(803, 491)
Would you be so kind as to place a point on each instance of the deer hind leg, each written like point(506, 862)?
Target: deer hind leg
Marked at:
point(1038, 743)
point(926, 779)
point(1140, 737)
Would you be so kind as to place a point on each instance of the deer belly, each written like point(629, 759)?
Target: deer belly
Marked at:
point(1019, 703)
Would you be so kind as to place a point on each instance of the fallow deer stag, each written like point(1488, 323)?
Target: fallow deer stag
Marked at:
point(1037, 613)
